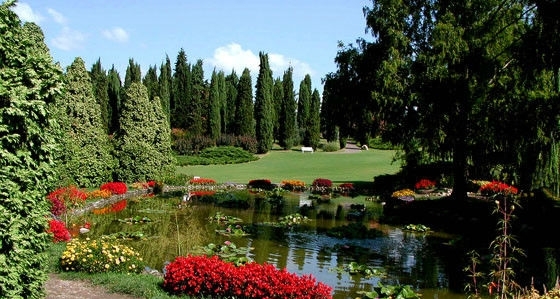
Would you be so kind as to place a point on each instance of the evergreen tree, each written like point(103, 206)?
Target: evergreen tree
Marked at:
point(143, 142)
point(222, 87)
point(181, 92)
point(133, 73)
point(114, 90)
point(151, 83)
point(164, 86)
point(278, 96)
point(232, 80)
point(196, 107)
point(100, 92)
point(244, 121)
point(314, 120)
point(264, 106)
point(287, 116)
point(304, 107)
point(29, 84)
point(214, 108)
point(85, 143)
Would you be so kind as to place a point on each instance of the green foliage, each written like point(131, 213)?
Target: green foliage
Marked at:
point(365, 270)
point(228, 252)
point(380, 144)
point(181, 91)
point(217, 155)
point(244, 119)
point(86, 152)
point(143, 142)
point(331, 147)
point(286, 119)
point(217, 92)
point(392, 292)
point(304, 109)
point(264, 107)
point(29, 85)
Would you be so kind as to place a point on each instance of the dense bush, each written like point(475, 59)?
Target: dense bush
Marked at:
point(185, 144)
point(99, 256)
point(203, 276)
point(331, 147)
point(247, 143)
point(378, 143)
point(217, 155)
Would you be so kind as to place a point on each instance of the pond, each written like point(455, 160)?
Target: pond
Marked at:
point(161, 228)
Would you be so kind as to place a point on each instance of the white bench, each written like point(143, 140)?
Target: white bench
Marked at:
point(306, 149)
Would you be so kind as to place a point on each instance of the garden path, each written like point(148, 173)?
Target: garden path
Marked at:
point(57, 288)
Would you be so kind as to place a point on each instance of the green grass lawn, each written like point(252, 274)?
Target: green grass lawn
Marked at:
point(278, 165)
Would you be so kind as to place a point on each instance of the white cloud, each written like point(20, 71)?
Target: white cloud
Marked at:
point(69, 39)
point(58, 17)
point(116, 34)
point(233, 56)
point(26, 13)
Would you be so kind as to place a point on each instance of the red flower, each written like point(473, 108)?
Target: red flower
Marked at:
point(115, 187)
point(59, 231)
point(63, 197)
point(496, 187)
point(425, 184)
point(320, 182)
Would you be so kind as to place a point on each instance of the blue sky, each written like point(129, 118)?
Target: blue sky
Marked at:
point(226, 35)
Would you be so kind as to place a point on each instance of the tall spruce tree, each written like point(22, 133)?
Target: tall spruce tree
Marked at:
point(304, 107)
point(143, 142)
point(287, 116)
point(29, 84)
point(114, 90)
point(264, 106)
point(164, 86)
point(244, 121)
point(100, 85)
point(85, 143)
point(181, 91)
point(232, 80)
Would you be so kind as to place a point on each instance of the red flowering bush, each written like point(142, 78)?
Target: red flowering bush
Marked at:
point(425, 184)
point(115, 187)
point(322, 183)
point(59, 231)
point(265, 184)
point(64, 197)
point(203, 276)
point(497, 187)
point(202, 181)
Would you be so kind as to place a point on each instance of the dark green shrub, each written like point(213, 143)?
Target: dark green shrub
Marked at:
point(331, 147)
point(217, 155)
point(378, 143)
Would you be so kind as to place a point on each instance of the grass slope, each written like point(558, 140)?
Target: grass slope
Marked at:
point(278, 165)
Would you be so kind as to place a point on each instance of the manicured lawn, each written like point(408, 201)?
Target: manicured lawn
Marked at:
point(278, 165)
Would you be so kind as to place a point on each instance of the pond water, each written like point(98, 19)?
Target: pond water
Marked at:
point(425, 261)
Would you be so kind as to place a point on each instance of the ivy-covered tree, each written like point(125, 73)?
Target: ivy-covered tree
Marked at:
point(164, 86)
point(114, 90)
point(143, 142)
point(181, 92)
point(264, 106)
point(304, 106)
point(287, 117)
point(85, 143)
point(29, 84)
point(244, 121)
point(232, 80)
point(100, 85)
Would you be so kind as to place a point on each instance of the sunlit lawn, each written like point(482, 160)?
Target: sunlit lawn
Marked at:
point(278, 165)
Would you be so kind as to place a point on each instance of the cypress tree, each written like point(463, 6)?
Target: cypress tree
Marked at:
point(29, 84)
point(164, 86)
point(278, 96)
point(264, 106)
point(304, 106)
point(244, 121)
point(85, 143)
point(214, 108)
point(151, 83)
point(143, 142)
point(197, 104)
point(100, 85)
point(287, 116)
point(114, 90)
point(222, 87)
point(315, 119)
point(232, 81)
point(133, 73)
point(181, 90)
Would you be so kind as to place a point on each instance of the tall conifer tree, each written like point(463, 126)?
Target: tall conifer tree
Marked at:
point(244, 121)
point(287, 117)
point(182, 89)
point(278, 96)
point(114, 90)
point(133, 73)
point(315, 119)
point(214, 108)
point(264, 106)
point(164, 86)
point(197, 104)
point(100, 85)
point(232, 80)
point(304, 106)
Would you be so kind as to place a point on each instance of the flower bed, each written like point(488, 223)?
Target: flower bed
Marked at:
point(115, 187)
point(204, 276)
point(264, 184)
point(424, 184)
point(293, 185)
point(64, 197)
point(497, 187)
